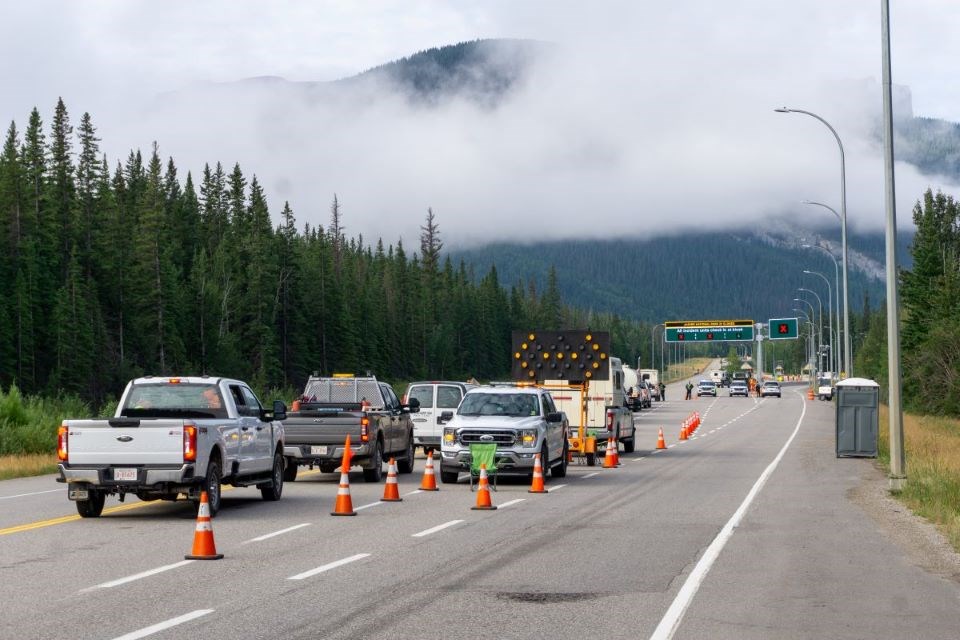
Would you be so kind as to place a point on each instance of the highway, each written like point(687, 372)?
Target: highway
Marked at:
point(750, 529)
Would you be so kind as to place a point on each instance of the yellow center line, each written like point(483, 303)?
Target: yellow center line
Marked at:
point(40, 524)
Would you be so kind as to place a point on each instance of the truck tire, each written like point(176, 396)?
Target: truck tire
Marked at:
point(405, 464)
point(449, 477)
point(290, 470)
point(93, 507)
point(272, 491)
point(560, 471)
point(630, 445)
point(375, 472)
point(211, 485)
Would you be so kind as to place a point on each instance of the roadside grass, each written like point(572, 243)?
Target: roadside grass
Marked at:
point(32, 464)
point(932, 490)
point(685, 369)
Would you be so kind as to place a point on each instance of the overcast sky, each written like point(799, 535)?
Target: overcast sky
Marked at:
point(653, 116)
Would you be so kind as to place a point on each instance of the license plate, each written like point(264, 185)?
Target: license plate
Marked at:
point(125, 474)
point(78, 494)
point(318, 450)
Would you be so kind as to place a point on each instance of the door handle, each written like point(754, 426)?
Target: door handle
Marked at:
point(244, 428)
point(260, 428)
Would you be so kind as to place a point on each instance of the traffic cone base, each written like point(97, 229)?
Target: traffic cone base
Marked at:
point(537, 485)
point(429, 482)
point(616, 452)
point(204, 547)
point(683, 431)
point(484, 503)
point(660, 443)
point(391, 490)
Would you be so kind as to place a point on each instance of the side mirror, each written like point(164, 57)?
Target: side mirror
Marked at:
point(446, 416)
point(556, 416)
point(413, 405)
point(279, 410)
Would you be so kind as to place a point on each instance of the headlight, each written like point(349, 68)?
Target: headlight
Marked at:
point(528, 437)
point(449, 436)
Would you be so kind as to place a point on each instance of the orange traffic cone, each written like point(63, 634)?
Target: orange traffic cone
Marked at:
point(391, 490)
point(344, 505)
point(683, 431)
point(537, 485)
point(660, 443)
point(429, 482)
point(616, 452)
point(483, 492)
point(203, 545)
point(608, 460)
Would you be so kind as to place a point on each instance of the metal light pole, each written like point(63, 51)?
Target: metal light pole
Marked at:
point(829, 312)
point(809, 339)
point(820, 326)
point(653, 351)
point(848, 358)
point(836, 291)
point(811, 317)
point(898, 463)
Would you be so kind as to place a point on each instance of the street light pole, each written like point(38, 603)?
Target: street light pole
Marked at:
point(829, 313)
point(809, 340)
point(848, 358)
point(836, 281)
point(820, 326)
point(653, 351)
point(813, 312)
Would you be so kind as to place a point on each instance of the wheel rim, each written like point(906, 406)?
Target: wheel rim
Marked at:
point(213, 489)
point(278, 473)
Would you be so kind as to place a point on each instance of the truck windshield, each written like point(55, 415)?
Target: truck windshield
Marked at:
point(174, 401)
point(499, 404)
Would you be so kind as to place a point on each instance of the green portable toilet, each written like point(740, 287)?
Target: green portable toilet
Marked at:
point(858, 419)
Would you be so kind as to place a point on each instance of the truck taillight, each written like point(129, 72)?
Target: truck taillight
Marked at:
point(609, 420)
point(63, 453)
point(364, 429)
point(189, 443)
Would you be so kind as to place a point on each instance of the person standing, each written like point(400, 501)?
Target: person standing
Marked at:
point(689, 390)
point(663, 391)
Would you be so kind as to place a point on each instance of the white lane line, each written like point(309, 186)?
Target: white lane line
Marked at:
point(557, 487)
point(671, 620)
point(277, 533)
point(33, 493)
point(367, 506)
point(413, 493)
point(144, 574)
point(671, 446)
point(656, 451)
point(439, 527)
point(328, 567)
point(512, 502)
point(161, 626)
point(712, 430)
point(590, 475)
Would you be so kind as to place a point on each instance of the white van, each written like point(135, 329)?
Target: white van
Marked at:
point(435, 397)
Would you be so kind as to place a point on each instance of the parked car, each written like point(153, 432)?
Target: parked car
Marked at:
point(706, 388)
point(435, 398)
point(739, 388)
point(770, 388)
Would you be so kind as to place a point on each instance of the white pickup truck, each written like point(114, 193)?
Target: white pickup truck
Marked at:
point(172, 436)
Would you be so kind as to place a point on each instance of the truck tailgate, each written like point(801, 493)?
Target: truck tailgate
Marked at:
point(300, 429)
point(151, 442)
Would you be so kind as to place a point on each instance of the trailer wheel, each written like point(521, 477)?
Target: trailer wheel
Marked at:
point(92, 507)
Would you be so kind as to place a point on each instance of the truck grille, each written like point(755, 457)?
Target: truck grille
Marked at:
point(500, 438)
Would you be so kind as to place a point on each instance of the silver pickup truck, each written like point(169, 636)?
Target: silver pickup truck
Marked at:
point(521, 421)
point(172, 436)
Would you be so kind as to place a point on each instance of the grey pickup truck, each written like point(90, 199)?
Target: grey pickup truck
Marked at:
point(332, 408)
point(174, 436)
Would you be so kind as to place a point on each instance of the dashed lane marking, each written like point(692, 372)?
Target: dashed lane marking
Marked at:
point(137, 576)
point(162, 626)
point(277, 533)
point(328, 567)
point(511, 502)
point(439, 527)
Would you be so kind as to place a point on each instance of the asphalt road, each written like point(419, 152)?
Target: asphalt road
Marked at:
point(747, 530)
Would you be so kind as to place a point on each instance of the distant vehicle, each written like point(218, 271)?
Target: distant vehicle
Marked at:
point(825, 386)
point(434, 397)
point(706, 388)
point(652, 376)
point(739, 388)
point(717, 376)
point(770, 388)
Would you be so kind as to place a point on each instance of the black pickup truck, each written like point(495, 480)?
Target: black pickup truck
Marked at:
point(367, 410)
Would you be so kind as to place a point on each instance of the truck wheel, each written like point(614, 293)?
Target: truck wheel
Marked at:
point(449, 477)
point(405, 464)
point(631, 444)
point(375, 472)
point(93, 507)
point(272, 491)
point(290, 470)
point(560, 471)
point(212, 486)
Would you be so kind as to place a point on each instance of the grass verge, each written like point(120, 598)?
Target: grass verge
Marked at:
point(21, 466)
point(932, 490)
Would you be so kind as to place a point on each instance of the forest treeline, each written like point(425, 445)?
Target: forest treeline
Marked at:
point(114, 271)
